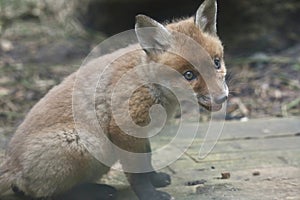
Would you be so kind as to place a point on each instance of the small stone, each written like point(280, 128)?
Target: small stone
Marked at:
point(244, 119)
point(225, 175)
point(197, 182)
point(256, 173)
point(277, 94)
point(6, 45)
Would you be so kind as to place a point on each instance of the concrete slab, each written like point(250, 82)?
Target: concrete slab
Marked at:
point(262, 157)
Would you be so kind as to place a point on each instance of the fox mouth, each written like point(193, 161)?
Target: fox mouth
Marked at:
point(208, 104)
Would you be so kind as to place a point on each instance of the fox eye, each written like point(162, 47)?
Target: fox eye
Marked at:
point(217, 63)
point(189, 75)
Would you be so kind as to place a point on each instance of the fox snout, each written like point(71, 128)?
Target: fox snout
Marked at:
point(220, 99)
point(222, 96)
point(213, 102)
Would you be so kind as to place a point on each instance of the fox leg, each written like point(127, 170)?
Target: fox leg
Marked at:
point(158, 179)
point(140, 182)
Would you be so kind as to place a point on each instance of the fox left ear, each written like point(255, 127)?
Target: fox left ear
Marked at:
point(152, 36)
point(206, 17)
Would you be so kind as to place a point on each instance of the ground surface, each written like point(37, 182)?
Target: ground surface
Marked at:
point(261, 156)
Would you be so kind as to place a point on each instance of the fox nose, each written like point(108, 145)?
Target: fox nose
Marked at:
point(220, 99)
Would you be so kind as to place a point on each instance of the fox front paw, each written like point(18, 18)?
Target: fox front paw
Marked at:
point(160, 179)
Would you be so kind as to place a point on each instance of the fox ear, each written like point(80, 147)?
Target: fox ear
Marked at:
point(206, 17)
point(152, 36)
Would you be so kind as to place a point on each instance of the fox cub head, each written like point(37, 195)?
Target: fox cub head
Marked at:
point(205, 69)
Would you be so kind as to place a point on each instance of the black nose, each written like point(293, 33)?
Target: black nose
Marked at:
point(220, 99)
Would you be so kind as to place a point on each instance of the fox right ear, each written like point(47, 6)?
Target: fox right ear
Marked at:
point(206, 17)
point(152, 36)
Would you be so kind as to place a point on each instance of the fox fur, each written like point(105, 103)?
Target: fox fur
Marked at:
point(46, 156)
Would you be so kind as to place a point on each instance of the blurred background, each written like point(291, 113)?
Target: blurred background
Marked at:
point(42, 41)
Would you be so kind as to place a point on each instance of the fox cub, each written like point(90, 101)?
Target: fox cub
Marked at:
point(47, 158)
